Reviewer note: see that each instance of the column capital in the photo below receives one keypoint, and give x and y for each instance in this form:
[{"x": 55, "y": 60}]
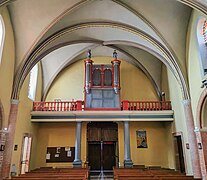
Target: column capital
[
  {"x": 15, "y": 101},
  {"x": 186, "y": 101},
  {"x": 3, "y": 131},
  {"x": 200, "y": 130}
]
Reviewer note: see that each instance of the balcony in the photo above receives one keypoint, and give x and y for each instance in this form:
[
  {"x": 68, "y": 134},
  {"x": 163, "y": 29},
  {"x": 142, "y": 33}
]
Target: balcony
[
  {"x": 64, "y": 106},
  {"x": 71, "y": 111}
]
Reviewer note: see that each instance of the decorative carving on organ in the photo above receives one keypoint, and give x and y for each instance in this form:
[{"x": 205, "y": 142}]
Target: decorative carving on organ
[
  {"x": 88, "y": 72},
  {"x": 116, "y": 75}
]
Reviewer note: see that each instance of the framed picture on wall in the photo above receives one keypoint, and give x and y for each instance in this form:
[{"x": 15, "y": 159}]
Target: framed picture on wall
[{"x": 141, "y": 139}]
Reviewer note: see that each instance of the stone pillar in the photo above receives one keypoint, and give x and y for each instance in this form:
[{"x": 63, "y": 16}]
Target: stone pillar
[
  {"x": 77, "y": 162},
  {"x": 2, "y": 147},
  {"x": 127, "y": 154},
  {"x": 7, "y": 157},
  {"x": 192, "y": 139}
]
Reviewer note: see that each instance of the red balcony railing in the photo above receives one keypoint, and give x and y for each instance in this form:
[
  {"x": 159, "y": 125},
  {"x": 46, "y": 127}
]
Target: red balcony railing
[
  {"x": 125, "y": 105},
  {"x": 146, "y": 105},
  {"x": 58, "y": 106}
]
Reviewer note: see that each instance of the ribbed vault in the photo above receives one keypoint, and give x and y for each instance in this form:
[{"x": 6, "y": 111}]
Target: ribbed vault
[{"x": 72, "y": 26}]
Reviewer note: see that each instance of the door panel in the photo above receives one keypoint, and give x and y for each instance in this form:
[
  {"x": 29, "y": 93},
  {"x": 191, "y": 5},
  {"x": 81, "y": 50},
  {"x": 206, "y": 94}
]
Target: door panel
[
  {"x": 179, "y": 158},
  {"x": 108, "y": 156},
  {"x": 94, "y": 156},
  {"x": 102, "y": 145}
]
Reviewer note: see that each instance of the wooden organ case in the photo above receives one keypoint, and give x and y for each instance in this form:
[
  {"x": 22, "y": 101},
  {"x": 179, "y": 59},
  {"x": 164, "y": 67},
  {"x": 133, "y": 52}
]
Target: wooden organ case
[{"x": 102, "y": 85}]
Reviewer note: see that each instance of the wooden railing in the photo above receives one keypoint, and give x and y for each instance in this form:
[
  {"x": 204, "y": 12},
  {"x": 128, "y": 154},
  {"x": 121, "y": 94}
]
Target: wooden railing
[
  {"x": 58, "y": 106},
  {"x": 146, "y": 105},
  {"x": 125, "y": 105}
]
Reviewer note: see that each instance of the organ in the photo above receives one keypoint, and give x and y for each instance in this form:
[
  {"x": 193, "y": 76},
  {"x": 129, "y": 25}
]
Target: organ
[{"x": 102, "y": 84}]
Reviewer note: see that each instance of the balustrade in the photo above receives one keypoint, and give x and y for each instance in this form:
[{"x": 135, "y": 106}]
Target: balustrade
[{"x": 126, "y": 105}]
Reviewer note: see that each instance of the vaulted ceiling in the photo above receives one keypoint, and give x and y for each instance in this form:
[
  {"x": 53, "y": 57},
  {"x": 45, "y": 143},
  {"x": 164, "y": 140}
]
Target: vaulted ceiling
[{"x": 146, "y": 33}]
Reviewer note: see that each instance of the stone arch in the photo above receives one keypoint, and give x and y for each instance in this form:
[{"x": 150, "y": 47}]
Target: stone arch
[
  {"x": 169, "y": 58},
  {"x": 202, "y": 106},
  {"x": 1, "y": 115},
  {"x": 202, "y": 44}
]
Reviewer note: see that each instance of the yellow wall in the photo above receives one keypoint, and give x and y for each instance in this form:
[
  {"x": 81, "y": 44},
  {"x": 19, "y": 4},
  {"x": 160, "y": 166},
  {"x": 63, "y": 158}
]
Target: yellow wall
[
  {"x": 157, "y": 152},
  {"x": 63, "y": 134},
  {"x": 7, "y": 66},
  {"x": 179, "y": 116},
  {"x": 135, "y": 85},
  {"x": 69, "y": 84},
  {"x": 23, "y": 124},
  {"x": 58, "y": 135},
  {"x": 164, "y": 82},
  {"x": 194, "y": 71}
]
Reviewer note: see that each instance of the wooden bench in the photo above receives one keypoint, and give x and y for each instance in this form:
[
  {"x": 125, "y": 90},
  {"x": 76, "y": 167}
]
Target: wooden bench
[
  {"x": 55, "y": 173},
  {"x": 151, "y": 173}
]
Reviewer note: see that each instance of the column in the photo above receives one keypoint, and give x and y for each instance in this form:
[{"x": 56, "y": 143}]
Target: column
[
  {"x": 201, "y": 137},
  {"x": 10, "y": 139},
  {"x": 3, "y": 133},
  {"x": 77, "y": 162},
  {"x": 127, "y": 154},
  {"x": 192, "y": 139}
]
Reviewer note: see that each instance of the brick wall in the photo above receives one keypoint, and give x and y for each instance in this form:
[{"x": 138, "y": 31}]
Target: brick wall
[{"x": 2, "y": 143}]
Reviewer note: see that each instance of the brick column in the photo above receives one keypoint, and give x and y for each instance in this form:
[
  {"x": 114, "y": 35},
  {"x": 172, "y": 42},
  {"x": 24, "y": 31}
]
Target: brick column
[
  {"x": 2, "y": 143},
  {"x": 202, "y": 139},
  {"x": 10, "y": 139},
  {"x": 192, "y": 139}
]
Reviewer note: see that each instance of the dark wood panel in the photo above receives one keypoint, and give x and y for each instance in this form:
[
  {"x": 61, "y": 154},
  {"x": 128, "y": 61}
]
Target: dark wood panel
[
  {"x": 60, "y": 154},
  {"x": 94, "y": 134},
  {"x": 179, "y": 158},
  {"x": 109, "y": 156},
  {"x": 94, "y": 157},
  {"x": 109, "y": 134}
]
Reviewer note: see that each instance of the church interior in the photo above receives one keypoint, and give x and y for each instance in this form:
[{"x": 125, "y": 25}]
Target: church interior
[{"x": 103, "y": 86}]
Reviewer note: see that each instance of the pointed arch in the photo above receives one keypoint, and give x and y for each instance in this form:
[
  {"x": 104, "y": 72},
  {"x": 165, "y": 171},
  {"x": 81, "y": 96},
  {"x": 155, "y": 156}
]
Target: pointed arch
[
  {"x": 202, "y": 44},
  {"x": 2, "y": 36},
  {"x": 1, "y": 115}
]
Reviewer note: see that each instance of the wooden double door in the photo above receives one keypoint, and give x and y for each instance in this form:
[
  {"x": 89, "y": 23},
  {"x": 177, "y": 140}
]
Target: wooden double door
[
  {"x": 102, "y": 146},
  {"x": 102, "y": 155}
]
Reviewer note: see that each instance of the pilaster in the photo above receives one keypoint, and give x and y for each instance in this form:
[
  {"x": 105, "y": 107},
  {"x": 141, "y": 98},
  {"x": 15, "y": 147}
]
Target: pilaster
[
  {"x": 7, "y": 156},
  {"x": 192, "y": 139}
]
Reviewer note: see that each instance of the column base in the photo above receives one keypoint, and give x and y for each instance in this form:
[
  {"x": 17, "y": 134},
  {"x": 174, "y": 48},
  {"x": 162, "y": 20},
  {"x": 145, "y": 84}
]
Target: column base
[
  {"x": 128, "y": 163},
  {"x": 77, "y": 163}
]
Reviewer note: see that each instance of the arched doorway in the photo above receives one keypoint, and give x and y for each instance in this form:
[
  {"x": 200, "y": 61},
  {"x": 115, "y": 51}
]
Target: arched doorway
[
  {"x": 102, "y": 139},
  {"x": 201, "y": 131}
]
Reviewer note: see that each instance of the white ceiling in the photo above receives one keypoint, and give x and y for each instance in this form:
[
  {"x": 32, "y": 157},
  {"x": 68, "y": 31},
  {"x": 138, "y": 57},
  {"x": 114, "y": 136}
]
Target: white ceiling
[{"x": 65, "y": 29}]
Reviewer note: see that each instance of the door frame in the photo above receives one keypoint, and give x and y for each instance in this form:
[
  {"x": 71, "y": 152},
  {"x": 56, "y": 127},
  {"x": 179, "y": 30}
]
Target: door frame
[
  {"x": 28, "y": 153},
  {"x": 183, "y": 147},
  {"x": 116, "y": 143}
]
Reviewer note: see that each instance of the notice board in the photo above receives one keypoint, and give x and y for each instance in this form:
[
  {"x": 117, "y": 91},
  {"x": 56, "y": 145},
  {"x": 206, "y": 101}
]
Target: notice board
[{"x": 60, "y": 154}]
